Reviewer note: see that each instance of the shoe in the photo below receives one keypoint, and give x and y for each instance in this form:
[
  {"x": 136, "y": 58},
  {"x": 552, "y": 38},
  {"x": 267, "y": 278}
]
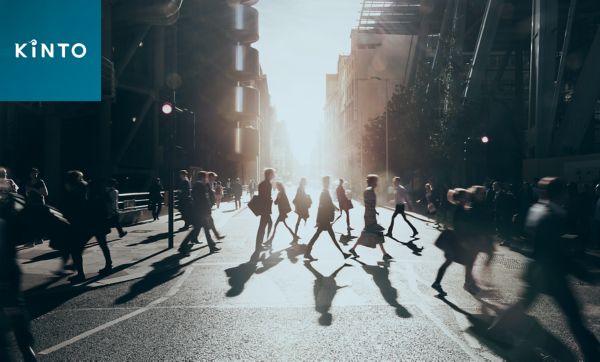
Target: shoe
[
  {"x": 353, "y": 252},
  {"x": 214, "y": 249},
  {"x": 438, "y": 288},
  {"x": 220, "y": 237},
  {"x": 471, "y": 288},
  {"x": 350, "y": 228},
  {"x": 107, "y": 269},
  {"x": 122, "y": 234},
  {"x": 79, "y": 278},
  {"x": 389, "y": 234},
  {"x": 198, "y": 242},
  {"x": 308, "y": 256},
  {"x": 387, "y": 257},
  {"x": 346, "y": 255}
]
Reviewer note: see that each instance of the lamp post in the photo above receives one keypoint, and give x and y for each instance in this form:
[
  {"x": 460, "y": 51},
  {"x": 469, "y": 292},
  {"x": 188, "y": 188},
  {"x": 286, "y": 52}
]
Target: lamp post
[{"x": 167, "y": 109}]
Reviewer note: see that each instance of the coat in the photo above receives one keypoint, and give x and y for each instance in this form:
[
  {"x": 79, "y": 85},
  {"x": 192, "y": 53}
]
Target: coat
[{"x": 326, "y": 212}]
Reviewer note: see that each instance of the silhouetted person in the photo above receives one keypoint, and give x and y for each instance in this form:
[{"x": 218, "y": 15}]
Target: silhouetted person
[
  {"x": 212, "y": 184},
  {"x": 284, "y": 207},
  {"x": 302, "y": 203},
  {"x": 325, "y": 216},
  {"x": 218, "y": 194},
  {"x": 547, "y": 272},
  {"x": 100, "y": 221},
  {"x": 113, "y": 207},
  {"x": 185, "y": 199},
  {"x": 7, "y": 184},
  {"x": 236, "y": 191},
  {"x": 459, "y": 245},
  {"x": 345, "y": 204},
  {"x": 324, "y": 290},
  {"x": 372, "y": 234},
  {"x": 36, "y": 193},
  {"x": 155, "y": 198},
  {"x": 251, "y": 188},
  {"x": 13, "y": 314},
  {"x": 264, "y": 205},
  {"x": 401, "y": 200},
  {"x": 201, "y": 206}
]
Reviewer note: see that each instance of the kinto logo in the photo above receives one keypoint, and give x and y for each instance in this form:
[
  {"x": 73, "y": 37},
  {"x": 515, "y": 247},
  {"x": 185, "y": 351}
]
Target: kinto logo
[{"x": 49, "y": 50}]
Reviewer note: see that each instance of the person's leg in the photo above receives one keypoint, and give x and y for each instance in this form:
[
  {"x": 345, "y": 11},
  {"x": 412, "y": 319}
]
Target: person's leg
[
  {"x": 21, "y": 326},
  {"x": 260, "y": 233},
  {"x": 211, "y": 225},
  {"x": 391, "y": 227},
  {"x": 441, "y": 272},
  {"x": 403, "y": 213},
  {"x": 385, "y": 254},
  {"x": 118, "y": 226},
  {"x": 348, "y": 219},
  {"x": 211, "y": 243},
  {"x": 585, "y": 338},
  {"x": 297, "y": 225},
  {"x": 192, "y": 235},
  {"x": 270, "y": 238},
  {"x": 269, "y": 224},
  {"x": 101, "y": 238},
  {"x": 289, "y": 229},
  {"x": 312, "y": 241},
  {"x": 337, "y": 245}
]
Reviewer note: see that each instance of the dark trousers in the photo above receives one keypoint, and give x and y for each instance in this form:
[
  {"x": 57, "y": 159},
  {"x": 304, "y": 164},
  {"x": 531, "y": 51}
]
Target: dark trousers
[
  {"x": 79, "y": 246},
  {"x": 193, "y": 235},
  {"x": 265, "y": 221},
  {"x": 238, "y": 201},
  {"x": 400, "y": 211},
  {"x": 155, "y": 207},
  {"x": 114, "y": 222},
  {"x": 320, "y": 229}
]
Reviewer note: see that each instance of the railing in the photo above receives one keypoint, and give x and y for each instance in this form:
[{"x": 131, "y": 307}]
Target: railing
[{"x": 136, "y": 201}]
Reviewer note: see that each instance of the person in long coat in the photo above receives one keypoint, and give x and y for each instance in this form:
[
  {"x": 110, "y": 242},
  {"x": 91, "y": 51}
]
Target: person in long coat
[
  {"x": 284, "y": 207},
  {"x": 372, "y": 234},
  {"x": 325, "y": 216},
  {"x": 265, "y": 205},
  {"x": 302, "y": 203},
  {"x": 345, "y": 204}
]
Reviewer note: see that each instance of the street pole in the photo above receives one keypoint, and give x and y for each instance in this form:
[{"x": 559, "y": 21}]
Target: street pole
[
  {"x": 387, "y": 144},
  {"x": 172, "y": 171}
]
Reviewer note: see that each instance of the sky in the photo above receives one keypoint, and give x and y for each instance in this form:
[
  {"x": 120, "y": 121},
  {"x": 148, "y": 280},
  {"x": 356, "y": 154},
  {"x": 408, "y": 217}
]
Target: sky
[{"x": 300, "y": 41}]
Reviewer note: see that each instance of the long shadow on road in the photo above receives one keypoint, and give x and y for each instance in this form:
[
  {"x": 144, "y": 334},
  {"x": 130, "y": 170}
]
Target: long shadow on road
[{"x": 324, "y": 290}]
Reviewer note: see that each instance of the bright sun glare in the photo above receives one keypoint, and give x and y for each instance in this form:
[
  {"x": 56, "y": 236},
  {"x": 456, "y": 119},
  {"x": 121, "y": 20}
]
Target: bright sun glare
[{"x": 299, "y": 43}]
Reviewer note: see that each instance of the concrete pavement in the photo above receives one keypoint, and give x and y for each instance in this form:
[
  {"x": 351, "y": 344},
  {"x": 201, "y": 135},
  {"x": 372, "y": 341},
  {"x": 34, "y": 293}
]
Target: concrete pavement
[{"x": 274, "y": 306}]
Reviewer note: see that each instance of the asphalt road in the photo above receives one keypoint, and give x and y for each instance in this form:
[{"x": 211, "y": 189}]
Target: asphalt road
[{"x": 230, "y": 306}]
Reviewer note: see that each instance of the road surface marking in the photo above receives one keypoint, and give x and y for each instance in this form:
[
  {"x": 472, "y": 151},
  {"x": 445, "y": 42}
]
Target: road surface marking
[{"x": 172, "y": 291}]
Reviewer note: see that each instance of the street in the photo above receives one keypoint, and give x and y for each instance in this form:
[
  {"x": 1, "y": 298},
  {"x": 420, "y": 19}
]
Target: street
[{"x": 229, "y": 306}]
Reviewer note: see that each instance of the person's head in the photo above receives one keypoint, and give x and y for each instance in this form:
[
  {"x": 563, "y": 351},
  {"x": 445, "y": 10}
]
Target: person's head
[
  {"x": 112, "y": 183},
  {"x": 496, "y": 186},
  {"x": 341, "y": 182},
  {"x": 279, "y": 186},
  {"x": 303, "y": 182},
  {"x": 183, "y": 174},
  {"x": 238, "y": 181},
  {"x": 326, "y": 182},
  {"x": 212, "y": 176},
  {"x": 3, "y": 172},
  {"x": 269, "y": 174},
  {"x": 552, "y": 189},
  {"x": 73, "y": 178},
  {"x": 428, "y": 187},
  {"x": 34, "y": 173},
  {"x": 372, "y": 180},
  {"x": 396, "y": 181},
  {"x": 157, "y": 181},
  {"x": 202, "y": 176}
]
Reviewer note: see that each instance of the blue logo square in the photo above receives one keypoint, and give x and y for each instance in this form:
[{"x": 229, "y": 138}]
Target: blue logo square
[{"x": 50, "y": 50}]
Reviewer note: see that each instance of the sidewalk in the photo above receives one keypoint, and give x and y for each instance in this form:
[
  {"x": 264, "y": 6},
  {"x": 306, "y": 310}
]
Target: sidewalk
[{"x": 143, "y": 250}]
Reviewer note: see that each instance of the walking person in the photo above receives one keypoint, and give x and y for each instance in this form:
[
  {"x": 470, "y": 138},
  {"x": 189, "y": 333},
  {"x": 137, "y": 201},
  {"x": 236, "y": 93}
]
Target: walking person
[
  {"x": 155, "y": 198},
  {"x": 461, "y": 245},
  {"x": 7, "y": 184},
  {"x": 264, "y": 206},
  {"x": 251, "y": 188},
  {"x": 113, "y": 207},
  {"x": 325, "y": 216},
  {"x": 212, "y": 184},
  {"x": 36, "y": 193},
  {"x": 402, "y": 200},
  {"x": 218, "y": 193},
  {"x": 302, "y": 203},
  {"x": 237, "y": 190},
  {"x": 344, "y": 203},
  {"x": 284, "y": 207},
  {"x": 200, "y": 215},
  {"x": 548, "y": 272},
  {"x": 372, "y": 234},
  {"x": 185, "y": 199}
]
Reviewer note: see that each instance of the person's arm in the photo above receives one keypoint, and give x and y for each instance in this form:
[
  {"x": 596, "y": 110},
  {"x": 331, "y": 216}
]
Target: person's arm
[{"x": 44, "y": 189}]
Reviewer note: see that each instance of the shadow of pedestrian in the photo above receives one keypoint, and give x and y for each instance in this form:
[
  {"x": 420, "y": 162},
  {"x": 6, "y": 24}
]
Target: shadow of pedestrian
[
  {"x": 239, "y": 275},
  {"x": 152, "y": 239},
  {"x": 381, "y": 277},
  {"x": 411, "y": 245},
  {"x": 324, "y": 291},
  {"x": 293, "y": 252},
  {"x": 527, "y": 340},
  {"x": 346, "y": 238}
]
